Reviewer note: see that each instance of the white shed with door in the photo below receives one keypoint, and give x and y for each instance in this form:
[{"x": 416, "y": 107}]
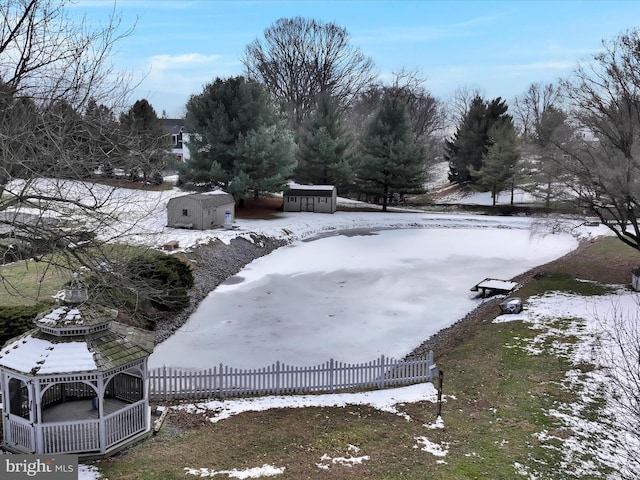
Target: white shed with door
[
  {"x": 310, "y": 198},
  {"x": 201, "y": 211}
]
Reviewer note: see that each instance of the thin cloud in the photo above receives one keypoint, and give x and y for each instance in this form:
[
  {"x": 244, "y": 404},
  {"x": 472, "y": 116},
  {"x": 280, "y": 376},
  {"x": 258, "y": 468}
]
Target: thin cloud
[{"x": 178, "y": 62}]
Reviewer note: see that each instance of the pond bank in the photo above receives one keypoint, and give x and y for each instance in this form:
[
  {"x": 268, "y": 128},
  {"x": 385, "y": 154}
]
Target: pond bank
[{"x": 212, "y": 264}]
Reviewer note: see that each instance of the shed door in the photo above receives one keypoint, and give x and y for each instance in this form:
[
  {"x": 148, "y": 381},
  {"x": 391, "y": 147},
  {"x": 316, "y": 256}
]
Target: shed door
[{"x": 307, "y": 204}]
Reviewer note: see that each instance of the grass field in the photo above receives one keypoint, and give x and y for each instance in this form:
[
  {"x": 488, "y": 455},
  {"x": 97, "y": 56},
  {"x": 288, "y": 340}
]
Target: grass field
[{"x": 496, "y": 397}]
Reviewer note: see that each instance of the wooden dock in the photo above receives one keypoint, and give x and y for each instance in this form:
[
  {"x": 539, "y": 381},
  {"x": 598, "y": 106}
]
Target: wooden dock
[{"x": 494, "y": 286}]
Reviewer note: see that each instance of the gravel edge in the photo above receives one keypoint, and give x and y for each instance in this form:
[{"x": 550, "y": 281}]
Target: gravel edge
[{"x": 213, "y": 263}]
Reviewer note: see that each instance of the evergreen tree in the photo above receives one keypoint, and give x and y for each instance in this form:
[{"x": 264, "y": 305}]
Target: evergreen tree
[
  {"x": 217, "y": 118},
  {"x": 393, "y": 161},
  {"x": 265, "y": 161},
  {"x": 471, "y": 141},
  {"x": 550, "y": 131},
  {"x": 499, "y": 162},
  {"x": 102, "y": 135},
  {"x": 326, "y": 154},
  {"x": 147, "y": 156}
]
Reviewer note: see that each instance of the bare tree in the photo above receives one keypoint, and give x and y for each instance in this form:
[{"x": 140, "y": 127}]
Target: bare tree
[
  {"x": 539, "y": 115},
  {"x": 427, "y": 114},
  {"x": 529, "y": 107},
  {"x": 459, "y": 104},
  {"x": 53, "y": 72},
  {"x": 46, "y": 56},
  {"x": 619, "y": 356},
  {"x": 604, "y": 159},
  {"x": 300, "y": 58}
]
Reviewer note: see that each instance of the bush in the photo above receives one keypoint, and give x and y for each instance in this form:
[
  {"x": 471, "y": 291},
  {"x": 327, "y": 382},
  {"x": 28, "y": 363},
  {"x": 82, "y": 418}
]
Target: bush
[
  {"x": 15, "y": 321},
  {"x": 144, "y": 287},
  {"x": 169, "y": 278}
]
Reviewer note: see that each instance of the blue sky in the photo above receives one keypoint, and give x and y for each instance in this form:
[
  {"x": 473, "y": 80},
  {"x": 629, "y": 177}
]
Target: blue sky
[{"x": 498, "y": 47}]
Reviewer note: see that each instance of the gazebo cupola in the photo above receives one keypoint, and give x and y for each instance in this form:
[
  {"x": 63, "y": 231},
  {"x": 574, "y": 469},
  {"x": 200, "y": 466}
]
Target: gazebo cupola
[{"x": 77, "y": 383}]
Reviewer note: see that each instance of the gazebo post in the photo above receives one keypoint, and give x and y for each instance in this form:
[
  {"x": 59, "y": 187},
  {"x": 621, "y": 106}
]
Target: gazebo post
[
  {"x": 37, "y": 422},
  {"x": 101, "y": 425}
]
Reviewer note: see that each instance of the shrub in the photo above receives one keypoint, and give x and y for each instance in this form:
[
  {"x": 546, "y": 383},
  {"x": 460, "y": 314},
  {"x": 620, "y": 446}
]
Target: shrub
[{"x": 15, "y": 321}]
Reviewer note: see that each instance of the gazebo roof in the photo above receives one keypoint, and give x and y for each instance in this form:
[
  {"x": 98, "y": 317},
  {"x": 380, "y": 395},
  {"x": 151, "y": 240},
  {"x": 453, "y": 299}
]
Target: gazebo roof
[
  {"x": 40, "y": 353},
  {"x": 76, "y": 338},
  {"x": 71, "y": 317}
]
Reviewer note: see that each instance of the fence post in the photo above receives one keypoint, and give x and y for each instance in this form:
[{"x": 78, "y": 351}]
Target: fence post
[
  {"x": 220, "y": 382},
  {"x": 164, "y": 382},
  {"x": 431, "y": 366},
  {"x": 381, "y": 381},
  {"x": 332, "y": 387}
]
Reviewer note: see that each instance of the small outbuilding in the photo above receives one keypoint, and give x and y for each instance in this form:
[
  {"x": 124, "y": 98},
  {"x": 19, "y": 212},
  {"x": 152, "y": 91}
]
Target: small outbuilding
[
  {"x": 77, "y": 383},
  {"x": 310, "y": 198},
  {"x": 201, "y": 211}
]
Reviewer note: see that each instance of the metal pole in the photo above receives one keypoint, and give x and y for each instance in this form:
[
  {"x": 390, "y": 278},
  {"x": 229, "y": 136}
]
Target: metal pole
[{"x": 440, "y": 382}]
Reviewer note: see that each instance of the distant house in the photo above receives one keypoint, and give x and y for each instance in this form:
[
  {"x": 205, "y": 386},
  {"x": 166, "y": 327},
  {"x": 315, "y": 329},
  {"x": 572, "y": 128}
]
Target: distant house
[
  {"x": 310, "y": 198},
  {"x": 201, "y": 211},
  {"x": 175, "y": 128}
]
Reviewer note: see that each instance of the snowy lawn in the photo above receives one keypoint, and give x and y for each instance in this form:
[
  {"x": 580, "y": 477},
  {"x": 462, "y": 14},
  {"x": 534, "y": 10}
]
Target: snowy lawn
[{"x": 598, "y": 337}]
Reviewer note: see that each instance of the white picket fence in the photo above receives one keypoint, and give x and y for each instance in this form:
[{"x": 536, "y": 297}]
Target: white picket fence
[{"x": 226, "y": 382}]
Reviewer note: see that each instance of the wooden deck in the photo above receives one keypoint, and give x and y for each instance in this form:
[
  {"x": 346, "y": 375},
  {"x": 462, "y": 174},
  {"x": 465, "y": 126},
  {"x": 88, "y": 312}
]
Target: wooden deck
[
  {"x": 492, "y": 286},
  {"x": 79, "y": 410}
]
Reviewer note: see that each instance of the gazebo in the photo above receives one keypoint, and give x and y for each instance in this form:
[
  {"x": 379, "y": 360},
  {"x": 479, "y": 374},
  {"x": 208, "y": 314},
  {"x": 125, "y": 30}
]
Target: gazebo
[{"x": 77, "y": 383}]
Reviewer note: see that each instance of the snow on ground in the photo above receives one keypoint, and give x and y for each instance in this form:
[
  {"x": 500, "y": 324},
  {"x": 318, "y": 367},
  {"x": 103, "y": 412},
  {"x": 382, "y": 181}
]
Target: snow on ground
[
  {"x": 385, "y": 400},
  {"x": 520, "y": 197},
  {"x": 587, "y": 331}
]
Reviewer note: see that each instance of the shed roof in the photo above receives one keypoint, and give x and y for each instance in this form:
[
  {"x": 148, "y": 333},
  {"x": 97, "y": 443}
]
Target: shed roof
[
  {"x": 215, "y": 198},
  {"x": 310, "y": 190}
]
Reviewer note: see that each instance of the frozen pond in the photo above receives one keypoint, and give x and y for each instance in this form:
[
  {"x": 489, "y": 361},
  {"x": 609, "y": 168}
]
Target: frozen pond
[{"x": 351, "y": 297}]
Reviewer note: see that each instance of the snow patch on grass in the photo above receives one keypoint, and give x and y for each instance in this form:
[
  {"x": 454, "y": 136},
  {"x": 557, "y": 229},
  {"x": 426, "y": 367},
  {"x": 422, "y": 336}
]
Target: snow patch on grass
[{"x": 256, "y": 472}]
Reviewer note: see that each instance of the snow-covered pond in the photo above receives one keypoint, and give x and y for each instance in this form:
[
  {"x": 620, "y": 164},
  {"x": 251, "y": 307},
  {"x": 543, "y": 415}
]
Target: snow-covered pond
[{"x": 351, "y": 297}]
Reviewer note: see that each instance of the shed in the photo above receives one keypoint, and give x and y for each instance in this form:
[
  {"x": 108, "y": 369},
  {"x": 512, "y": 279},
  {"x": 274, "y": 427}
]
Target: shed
[
  {"x": 201, "y": 211},
  {"x": 77, "y": 383},
  {"x": 310, "y": 198}
]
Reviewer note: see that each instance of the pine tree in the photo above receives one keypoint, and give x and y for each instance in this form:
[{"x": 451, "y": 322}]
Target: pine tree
[
  {"x": 471, "y": 141},
  {"x": 265, "y": 160},
  {"x": 148, "y": 154},
  {"x": 392, "y": 162},
  {"x": 326, "y": 153},
  {"x": 217, "y": 118},
  {"x": 499, "y": 162}
]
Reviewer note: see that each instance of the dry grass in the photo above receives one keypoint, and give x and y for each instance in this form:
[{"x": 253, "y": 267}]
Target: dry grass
[{"x": 28, "y": 282}]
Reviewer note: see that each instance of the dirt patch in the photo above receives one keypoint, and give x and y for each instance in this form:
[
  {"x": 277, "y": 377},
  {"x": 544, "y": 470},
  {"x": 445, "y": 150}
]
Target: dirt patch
[{"x": 259, "y": 208}]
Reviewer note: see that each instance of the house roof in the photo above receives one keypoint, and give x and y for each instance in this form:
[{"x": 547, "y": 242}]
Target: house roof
[
  {"x": 173, "y": 125},
  {"x": 310, "y": 190},
  {"x": 208, "y": 199},
  {"x": 38, "y": 352}
]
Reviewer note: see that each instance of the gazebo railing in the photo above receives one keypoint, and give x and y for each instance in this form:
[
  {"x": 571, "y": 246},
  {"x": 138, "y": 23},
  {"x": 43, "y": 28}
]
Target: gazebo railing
[
  {"x": 80, "y": 435},
  {"x": 20, "y": 434},
  {"x": 125, "y": 423},
  {"x": 70, "y": 437}
]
